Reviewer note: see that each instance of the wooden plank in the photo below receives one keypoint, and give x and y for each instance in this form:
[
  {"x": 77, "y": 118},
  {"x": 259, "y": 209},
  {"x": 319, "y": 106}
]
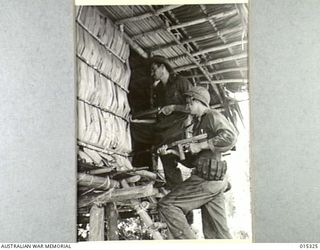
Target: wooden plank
[
  {"x": 113, "y": 195},
  {"x": 112, "y": 221},
  {"x": 96, "y": 223}
]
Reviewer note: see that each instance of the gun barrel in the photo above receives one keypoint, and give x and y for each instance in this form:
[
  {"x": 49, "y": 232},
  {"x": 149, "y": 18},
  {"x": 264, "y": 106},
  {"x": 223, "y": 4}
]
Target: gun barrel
[{"x": 188, "y": 140}]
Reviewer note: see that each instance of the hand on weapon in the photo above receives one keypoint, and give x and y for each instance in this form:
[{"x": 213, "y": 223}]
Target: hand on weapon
[
  {"x": 194, "y": 148},
  {"x": 167, "y": 110},
  {"x": 163, "y": 150},
  {"x": 183, "y": 146}
]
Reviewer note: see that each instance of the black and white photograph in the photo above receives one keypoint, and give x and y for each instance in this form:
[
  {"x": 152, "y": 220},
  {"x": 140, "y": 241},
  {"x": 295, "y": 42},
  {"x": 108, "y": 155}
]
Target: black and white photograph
[{"x": 163, "y": 122}]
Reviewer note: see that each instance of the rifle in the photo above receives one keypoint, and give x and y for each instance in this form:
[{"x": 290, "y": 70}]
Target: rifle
[
  {"x": 183, "y": 144},
  {"x": 151, "y": 113}
]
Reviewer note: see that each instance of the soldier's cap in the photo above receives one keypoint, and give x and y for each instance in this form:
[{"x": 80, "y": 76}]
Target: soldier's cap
[
  {"x": 161, "y": 60},
  {"x": 199, "y": 93}
]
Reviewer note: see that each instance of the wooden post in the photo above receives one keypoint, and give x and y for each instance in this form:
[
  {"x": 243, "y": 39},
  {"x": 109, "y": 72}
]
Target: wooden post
[
  {"x": 112, "y": 221},
  {"x": 96, "y": 223},
  {"x": 143, "y": 215}
]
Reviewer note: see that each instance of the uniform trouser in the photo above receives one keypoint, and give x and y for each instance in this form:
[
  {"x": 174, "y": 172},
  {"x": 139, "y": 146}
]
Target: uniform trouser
[
  {"x": 172, "y": 172},
  {"x": 195, "y": 193}
]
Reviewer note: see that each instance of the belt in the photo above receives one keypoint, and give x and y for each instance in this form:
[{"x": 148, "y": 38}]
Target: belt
[{"x": 211, "y": 169}]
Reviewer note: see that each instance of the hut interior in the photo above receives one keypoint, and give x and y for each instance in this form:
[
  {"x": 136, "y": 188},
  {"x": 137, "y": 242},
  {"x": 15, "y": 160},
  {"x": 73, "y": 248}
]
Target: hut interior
[{"x": 205, "y": 43}]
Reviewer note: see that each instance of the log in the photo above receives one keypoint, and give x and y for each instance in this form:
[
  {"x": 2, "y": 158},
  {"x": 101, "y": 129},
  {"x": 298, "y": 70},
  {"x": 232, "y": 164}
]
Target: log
[
  {"x": 96, "y": 223},
  {"x": 114, "y": 195},
  {"x": 143, "y": 215},
  {"x": 112, "y": 221},
  {"x": 147, "y": 174},
  {"x": 103, "y": 183}
]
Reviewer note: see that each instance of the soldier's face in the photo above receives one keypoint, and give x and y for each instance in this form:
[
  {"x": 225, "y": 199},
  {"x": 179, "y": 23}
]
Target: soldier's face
[
  {"x": 156, "y": 71},
  {"x": 192, "y": 105}
]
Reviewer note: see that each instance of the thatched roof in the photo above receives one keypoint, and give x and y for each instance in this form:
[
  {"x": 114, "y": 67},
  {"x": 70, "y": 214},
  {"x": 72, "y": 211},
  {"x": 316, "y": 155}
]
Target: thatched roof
[{"x": 206, "y": 43}]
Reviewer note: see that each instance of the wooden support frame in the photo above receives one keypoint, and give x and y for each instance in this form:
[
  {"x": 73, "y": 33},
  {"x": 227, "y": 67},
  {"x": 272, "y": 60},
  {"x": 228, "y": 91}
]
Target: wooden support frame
[
  {"x": 221, "y": 47},
  {"x": 215, "y": 61},
  {"x": 143, "y": 215},
  {"x": 112, "y": 215},
  {"x": 113, "y": 195},
  {"x": 220, "y": 72},
  {"x": 96, "y": 223},
  {"x": 226, "y": 81},
  {"x": 205, "y": 19},
  {"x": 183, "y": 25},
  {"x": 147, "y": 15},
  {"x": 97, "y": 182},
  {"x": 196, "y": 39}
]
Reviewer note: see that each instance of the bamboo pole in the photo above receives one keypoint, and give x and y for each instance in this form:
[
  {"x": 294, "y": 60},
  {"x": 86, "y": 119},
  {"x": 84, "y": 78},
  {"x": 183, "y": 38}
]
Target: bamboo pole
[
  {"x": 205, "y": 19},
  {"x": 225, "y": 81},
  {"x": 113, "y": 195},
  {"x": 103, "y": 109},
  {"x": 147, "y": 15},
  {"x": 97, "y": 182},
  {"x": 96, "y": 147},
  {"x": 216, "y": 61},
  {"x": 217, "y": 48},
  {"x": 101, "y": 170},
  {"x": 177, "y": 26},
  {"x": 135, "y": 46},
  {"x": 99, "y": 41},
  {"x": 219, "y": 72},
  {"x": 101, "y": 73},
  {"x": 96, "y": 223},
  {"x": 148, "y": 33},
  {"x": 196, "y": 39},
  {"x": 112, "y": 215},
  {"x": 143, "y": 215},
  {"x": 146, "y": 174},
  {"x": 226, "y": 59}
]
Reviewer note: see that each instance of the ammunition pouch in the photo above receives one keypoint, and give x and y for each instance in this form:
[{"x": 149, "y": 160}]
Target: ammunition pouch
[{"x": 211, "y": 169}]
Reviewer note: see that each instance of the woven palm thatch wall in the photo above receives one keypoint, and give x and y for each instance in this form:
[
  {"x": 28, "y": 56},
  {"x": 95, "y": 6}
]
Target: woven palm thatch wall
[{"x": 103, "y": 74}]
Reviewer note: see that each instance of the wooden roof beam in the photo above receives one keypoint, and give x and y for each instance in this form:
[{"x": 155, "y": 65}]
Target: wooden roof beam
[
  {"x": 221, "y": 47},
  {"x": 220, "y": 72},
  {"x": 196, "y": 39},
  {"x": 226, "y": 81},
  {"x": 215, "y": 61},
  {"x": 182, "y": 25},
  {"x": 213, "y": 49},
  {"x": 203, "y": 20},
  {"x": 147, "y": 15}
]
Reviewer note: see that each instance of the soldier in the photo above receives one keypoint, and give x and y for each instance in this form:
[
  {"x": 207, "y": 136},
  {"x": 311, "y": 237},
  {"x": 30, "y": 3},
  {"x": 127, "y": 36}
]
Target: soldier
[
  {"x": 168, "y": 94},
  {"x": 205, "y": 188}
]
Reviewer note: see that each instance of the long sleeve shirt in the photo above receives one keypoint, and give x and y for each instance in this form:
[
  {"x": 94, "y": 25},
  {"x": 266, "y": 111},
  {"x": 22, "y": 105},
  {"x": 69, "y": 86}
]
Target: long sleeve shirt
[{"x": 221, "y": 136}]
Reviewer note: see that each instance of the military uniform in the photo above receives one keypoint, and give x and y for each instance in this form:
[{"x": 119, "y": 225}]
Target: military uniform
[{"x": 205, "y": 188}]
